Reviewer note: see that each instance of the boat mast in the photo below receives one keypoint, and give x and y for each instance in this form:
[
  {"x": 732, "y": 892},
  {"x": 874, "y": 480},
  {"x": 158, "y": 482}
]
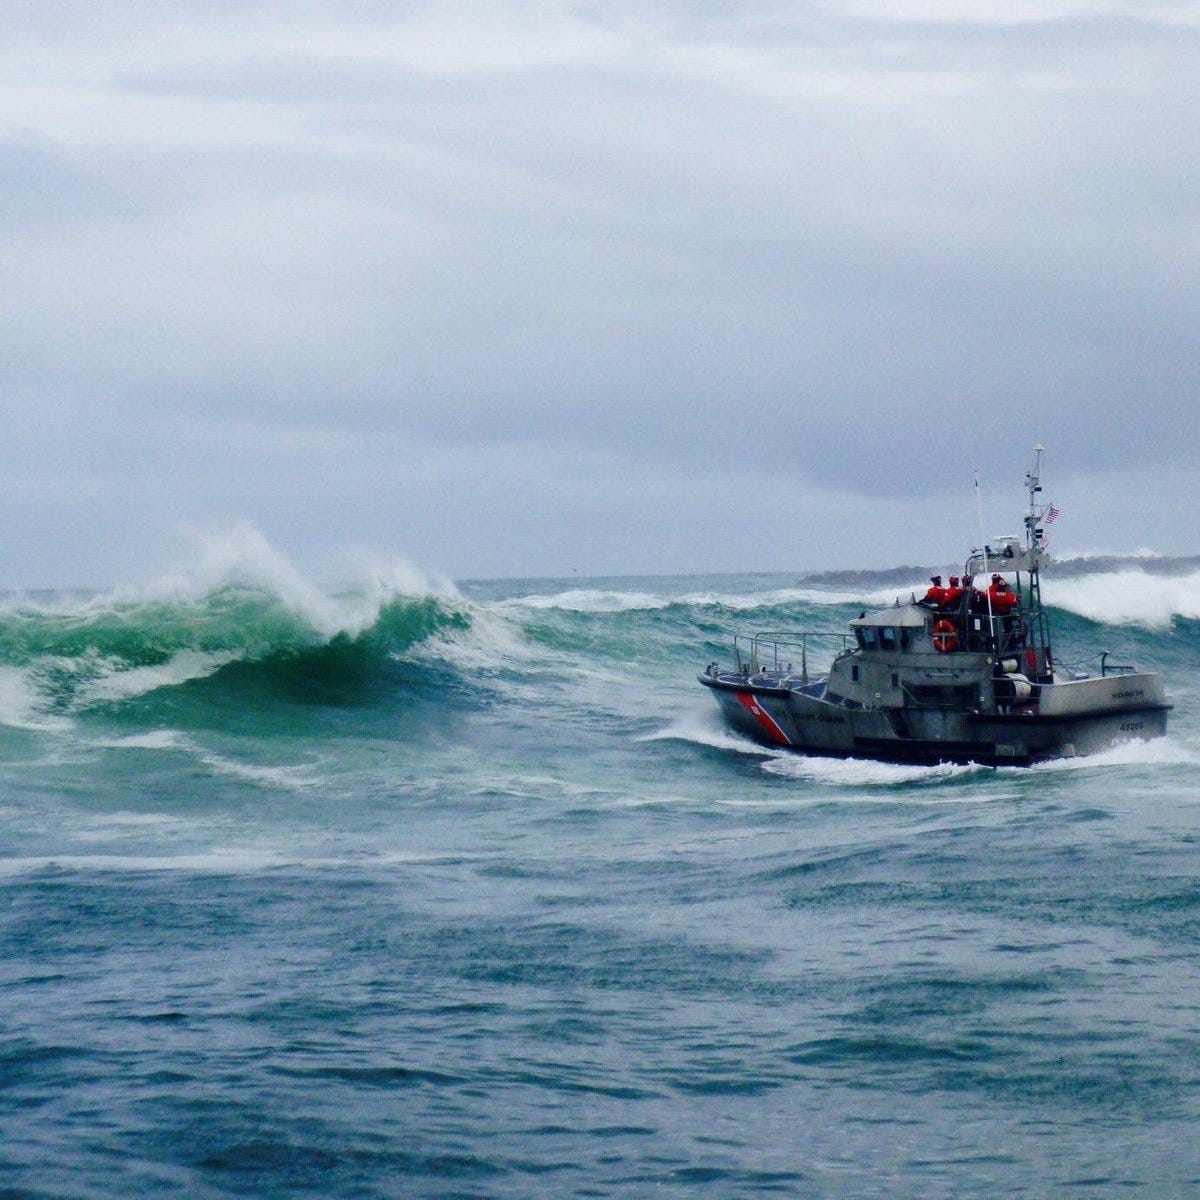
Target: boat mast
[
  {"x": 1034, "y": 534},
  {"x": 984, "y": 552}
]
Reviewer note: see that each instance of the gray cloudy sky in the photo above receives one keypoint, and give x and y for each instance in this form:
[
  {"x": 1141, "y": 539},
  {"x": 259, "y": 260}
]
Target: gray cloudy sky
[{"x": 519, "y": 288}]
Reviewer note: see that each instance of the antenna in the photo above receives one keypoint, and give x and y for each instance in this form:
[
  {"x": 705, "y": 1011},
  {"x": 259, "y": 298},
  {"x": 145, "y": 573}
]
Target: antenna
[
  {"x": 1033, "y": 482},
  {"x": 983, "y": 543}
]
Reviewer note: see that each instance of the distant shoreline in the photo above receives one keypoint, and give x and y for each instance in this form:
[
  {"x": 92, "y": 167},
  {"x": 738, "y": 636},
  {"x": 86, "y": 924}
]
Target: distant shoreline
[{"x": 1102, "y": 564}]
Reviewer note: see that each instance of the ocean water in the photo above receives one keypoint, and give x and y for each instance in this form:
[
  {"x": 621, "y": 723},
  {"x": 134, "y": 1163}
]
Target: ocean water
[{"x": 413, "y": 889}]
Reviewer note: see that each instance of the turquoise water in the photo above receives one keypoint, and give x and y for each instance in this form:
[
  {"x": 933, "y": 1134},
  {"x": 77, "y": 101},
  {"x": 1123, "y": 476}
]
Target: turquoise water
[{"x": 432, "y": 891}]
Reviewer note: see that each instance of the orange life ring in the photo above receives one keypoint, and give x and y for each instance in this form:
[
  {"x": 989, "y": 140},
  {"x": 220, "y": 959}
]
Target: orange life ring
[{"x": 945, "y": 636}]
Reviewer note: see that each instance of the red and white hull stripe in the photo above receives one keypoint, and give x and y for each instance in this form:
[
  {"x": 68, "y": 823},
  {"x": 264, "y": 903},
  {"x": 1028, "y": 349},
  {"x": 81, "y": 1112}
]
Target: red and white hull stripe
[{"x": 769, "y": 725}]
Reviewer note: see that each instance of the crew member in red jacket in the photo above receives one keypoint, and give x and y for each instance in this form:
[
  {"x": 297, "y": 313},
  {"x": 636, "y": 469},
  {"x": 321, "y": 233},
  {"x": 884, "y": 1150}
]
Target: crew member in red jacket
[
  {"x": 953, "y": 594},
  {"x": 1003, "y": 599},
  {"x": 936, "y": 593}
]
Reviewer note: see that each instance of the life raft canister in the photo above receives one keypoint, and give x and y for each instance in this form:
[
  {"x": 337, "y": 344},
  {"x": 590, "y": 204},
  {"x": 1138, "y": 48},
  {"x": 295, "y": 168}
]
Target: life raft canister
[{"x": 945, "y": 636}]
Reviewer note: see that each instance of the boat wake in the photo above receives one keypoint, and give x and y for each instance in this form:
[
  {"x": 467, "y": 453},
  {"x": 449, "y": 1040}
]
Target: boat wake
[
  {"x": 1160, "y": 752},
  {"x": 865, "y": 773}
]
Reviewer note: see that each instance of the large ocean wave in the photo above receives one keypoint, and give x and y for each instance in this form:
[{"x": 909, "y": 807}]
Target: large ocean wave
[
  {"x": 240, "y": 605},
  {"x": 1127, "y": 597}
]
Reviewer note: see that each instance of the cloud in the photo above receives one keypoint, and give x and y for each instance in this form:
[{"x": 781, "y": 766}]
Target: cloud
[{"x": 863, "y": 247}]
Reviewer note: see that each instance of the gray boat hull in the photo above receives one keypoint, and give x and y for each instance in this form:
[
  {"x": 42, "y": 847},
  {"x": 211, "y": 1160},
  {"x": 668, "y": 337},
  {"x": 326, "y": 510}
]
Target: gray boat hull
[{"x": 1072, "y": 718}]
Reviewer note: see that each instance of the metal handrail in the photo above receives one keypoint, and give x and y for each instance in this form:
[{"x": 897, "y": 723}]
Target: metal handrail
[{"x": 770, "y": 644}]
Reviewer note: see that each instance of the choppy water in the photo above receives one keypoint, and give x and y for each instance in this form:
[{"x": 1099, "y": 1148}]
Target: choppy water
[{"x": 427, "y": 891}]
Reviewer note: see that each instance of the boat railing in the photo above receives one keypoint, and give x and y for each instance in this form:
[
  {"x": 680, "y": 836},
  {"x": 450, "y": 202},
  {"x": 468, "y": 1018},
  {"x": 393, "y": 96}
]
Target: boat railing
[
  {"x": 980, "y": 630},
  {"x": 784, "y": 652}
]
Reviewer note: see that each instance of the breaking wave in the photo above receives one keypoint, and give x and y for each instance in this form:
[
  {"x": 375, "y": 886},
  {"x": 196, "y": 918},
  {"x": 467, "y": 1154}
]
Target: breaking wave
[
  {"x": 241, "y": 604},
  {"x": 1127, "y": 597},
  {"x": 1124, "y": 597}
]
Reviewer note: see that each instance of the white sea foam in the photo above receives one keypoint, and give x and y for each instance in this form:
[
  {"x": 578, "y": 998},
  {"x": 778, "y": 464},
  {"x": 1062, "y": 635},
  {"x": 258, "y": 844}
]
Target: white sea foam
[
  {"x": 1065, "y": 553},
  {"x": 22, "y": 706},
  {"x": 122, "y": 820},
  {"x": 874, "y": 596},
  {"x": 491, "y": 642},
  {"x": 1126, "y": 597},
  {"x": 860, "y": 773},
  {"x": 243, "y": 557},
  {"x": 217, "y": 861},
  {"x": 155, "y": 739},
  {"x": 116, "y": 683},
  {"x": 705, "y": 728},
  {"x": 119, "y": 827},
  {"x": 589, "y": 600},
  {"x": 297, "y": 777},
  {"x": 1159, "y": 752},
  {"x": 230, "y": 860},
  {"x": 594, "y": 601}
]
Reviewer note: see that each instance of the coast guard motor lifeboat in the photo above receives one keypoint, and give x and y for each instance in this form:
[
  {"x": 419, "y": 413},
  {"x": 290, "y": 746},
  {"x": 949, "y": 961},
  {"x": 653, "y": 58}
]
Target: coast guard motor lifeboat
[{"x": 967, "y": 678}]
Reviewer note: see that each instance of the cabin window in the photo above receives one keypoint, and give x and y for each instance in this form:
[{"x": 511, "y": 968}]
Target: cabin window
[
  {"x": 867, "y": 639},
  {"x": 908, "y": 639},
  {"x": 888, "y": 639},
  {"x": 895, "y": 680},
  {"x": 854, "y": 672}
]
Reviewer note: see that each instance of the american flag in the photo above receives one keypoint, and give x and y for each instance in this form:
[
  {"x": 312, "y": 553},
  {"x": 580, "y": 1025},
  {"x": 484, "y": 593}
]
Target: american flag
[{"x": 1052, "y": 514}]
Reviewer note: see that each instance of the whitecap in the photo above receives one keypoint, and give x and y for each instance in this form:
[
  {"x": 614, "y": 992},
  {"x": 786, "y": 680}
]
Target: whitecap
[
  {"x": 491, "y": 642},
  {"x": 1130, "y": 597},
  {"x": 778, "y": 597},
  {"x": 600, "y": 601},
  {"x": 242, "y": 557},
  {"x": 588, "y": 601}
]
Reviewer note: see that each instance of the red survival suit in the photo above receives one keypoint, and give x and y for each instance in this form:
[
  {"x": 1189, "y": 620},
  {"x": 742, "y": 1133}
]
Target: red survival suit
[
  {"x": 1002, "y": 599},
  {"x": 953, "y": 594}
]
